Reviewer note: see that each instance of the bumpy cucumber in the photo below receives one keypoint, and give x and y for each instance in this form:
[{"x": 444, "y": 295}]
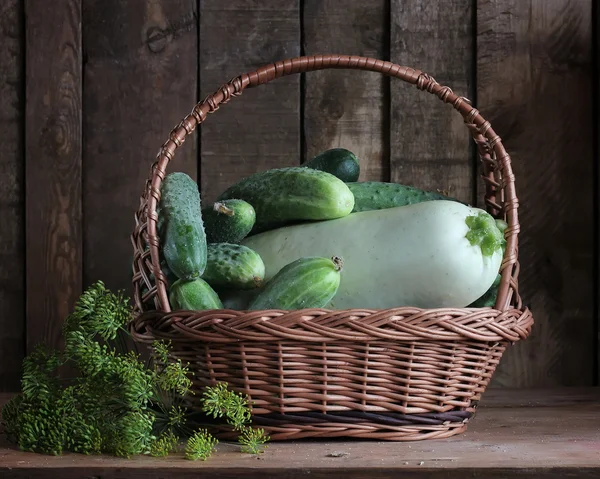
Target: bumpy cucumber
[
  {"x": 228, "y": 221},
  {"x": 194, "y": 295},
  {"x": 378, "y": 195},
  {"x": 286, "y": 195},
  {"x": 339, "y": 162},
  {"x": 181, "y": 229},
  {"x": 308, "y": 282},
  {"x": 233, "y": 266}
]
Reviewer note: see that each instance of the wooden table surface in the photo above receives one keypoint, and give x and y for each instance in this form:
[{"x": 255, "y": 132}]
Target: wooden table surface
[{"x": 520, "y": 433}]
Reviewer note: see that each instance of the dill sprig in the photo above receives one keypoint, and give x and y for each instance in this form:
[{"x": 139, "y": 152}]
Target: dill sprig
[
  {"x": 200, "y": 445},
  {"x": 116, "y": 404},
  {"x": 218, "y": 401},
  {"x": 253, "y": 440}
]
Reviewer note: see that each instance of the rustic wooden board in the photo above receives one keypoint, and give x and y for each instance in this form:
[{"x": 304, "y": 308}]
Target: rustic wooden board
[
  {"x": 348, "y": 109},
  {"x": 140, "y": 81},
  {"x": 53, "y": 165},
  {"x": 541, "y": 440},
  {"x": 430, "y": 146},
  {"x": 260, "y": 129},
  {"x": 12, "y": 194},
  {"x": 534, "y": 73}
]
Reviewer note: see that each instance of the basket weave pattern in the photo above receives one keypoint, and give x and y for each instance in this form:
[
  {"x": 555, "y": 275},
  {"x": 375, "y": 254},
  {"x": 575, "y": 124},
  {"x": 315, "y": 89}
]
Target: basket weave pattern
[{"x": 397, "y": 374}]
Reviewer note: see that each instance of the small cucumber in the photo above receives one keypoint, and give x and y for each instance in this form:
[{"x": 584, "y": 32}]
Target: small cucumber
[
  {"x": 378, "y": 195},
  {"x": 308, "y": 282},
  {"x": 286, "y": 195},
  {"x": 339, "y": 162},
  {"x": 228, "y": 221},
  {"x": 193, "y": 295},
  {"x": 233, "y": 266},
  {"x": 181, "y": 229}
]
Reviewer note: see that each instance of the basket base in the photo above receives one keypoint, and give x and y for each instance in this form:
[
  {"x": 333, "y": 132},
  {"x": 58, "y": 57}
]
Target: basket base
[{"x": 358, "y": 424}]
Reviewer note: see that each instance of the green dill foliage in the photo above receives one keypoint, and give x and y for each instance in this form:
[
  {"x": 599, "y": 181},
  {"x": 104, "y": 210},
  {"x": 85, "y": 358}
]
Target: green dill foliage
[
  {"x": 218, "y": 401},
  {"x": 109, "y": 407},
  {"x": 200, "y": 445},
  {"x": 252, "y": 440},
  {"x": 116, "y": 404},
  {"x": 164, "y": 445}
]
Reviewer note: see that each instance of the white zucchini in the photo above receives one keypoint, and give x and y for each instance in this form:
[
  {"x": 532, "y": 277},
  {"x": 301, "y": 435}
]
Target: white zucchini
[{"x": 431, "y": 254}]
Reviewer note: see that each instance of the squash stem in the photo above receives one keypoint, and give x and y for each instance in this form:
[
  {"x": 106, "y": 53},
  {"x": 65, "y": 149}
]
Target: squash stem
[
  {"x": 338, "y": 263},
  {"x": 485, "y": 232}
]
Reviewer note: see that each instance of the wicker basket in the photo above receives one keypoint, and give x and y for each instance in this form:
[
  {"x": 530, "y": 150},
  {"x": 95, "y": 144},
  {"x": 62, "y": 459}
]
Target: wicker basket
[{"x": 396, "y": 374}]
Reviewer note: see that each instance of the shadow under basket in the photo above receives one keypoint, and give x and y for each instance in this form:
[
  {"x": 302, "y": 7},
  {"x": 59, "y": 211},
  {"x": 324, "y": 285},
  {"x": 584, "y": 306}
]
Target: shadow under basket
[{"x": 394, "y": 374}]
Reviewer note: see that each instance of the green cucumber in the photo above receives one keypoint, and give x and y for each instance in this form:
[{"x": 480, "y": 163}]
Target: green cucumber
[
  {"x": 238, "y": 299},
  {"x": 193, "y": 295},
  {"x": 228, "y": 221},
  {"x": 233, "y": 266},
  {"x": 339, "y": 162},
  {"x": 181, "y": 229},
  {"x": 308, "y": 282},
  {"x": 286, "y": 195},
  {"x": 379, "y": 195}
]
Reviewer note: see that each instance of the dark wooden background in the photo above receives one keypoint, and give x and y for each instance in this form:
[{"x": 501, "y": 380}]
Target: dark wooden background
[{"x": 89, "y": 90}]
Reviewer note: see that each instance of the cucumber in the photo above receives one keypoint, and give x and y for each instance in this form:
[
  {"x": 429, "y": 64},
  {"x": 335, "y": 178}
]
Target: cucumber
[
  {"x": 228, "y": 221},
  {"x": 193, "y": 295},
  {"x": 181, "y": 229},
  {"x": 378, "y": 195},
  {"x": 428, "y": 255},
  {"x": 286, "y": 195},
  {"x": 233, "y": 266},
  {"x": 238, "y": 299},
  {"x": 308, "y": 282},
  {"x": 339, "y": 162}
]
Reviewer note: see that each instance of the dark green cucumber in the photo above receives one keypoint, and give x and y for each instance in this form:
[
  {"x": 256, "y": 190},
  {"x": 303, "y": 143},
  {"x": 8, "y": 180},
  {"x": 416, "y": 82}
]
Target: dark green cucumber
[
  {"x": 339, "y": 162},
  {"x": 233, "y": 266},
  {"x": 285, "y": 195},
  {"x": 378, "y": 195},
  {"x": 181, "y": 229},
  {"x": 308, "y": 282},
  {"x": 194, "y": 295},
  {"x": 238, "y": 299},
  {"x": 228, "y": 221}
]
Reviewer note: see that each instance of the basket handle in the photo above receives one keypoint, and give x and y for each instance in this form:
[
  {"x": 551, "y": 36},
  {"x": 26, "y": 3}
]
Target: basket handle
[{"x": 497, "y": 171}]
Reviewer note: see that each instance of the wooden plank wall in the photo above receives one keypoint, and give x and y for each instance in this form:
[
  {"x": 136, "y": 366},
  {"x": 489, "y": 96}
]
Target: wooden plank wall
[{"x": 89, "y": 89}]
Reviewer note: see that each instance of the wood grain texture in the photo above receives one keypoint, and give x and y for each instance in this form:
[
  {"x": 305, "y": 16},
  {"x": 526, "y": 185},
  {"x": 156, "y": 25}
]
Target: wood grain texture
[
  {"x": 534, "y": 71},
  {"x": 348, "y": 109},
  {"x": 538, "y": 440},
  {"x": 53, "y": 166},
  {"x": 140, "y": 81},
  {"x": 12, "y": 194},
  {"x": 430, "y": 145},
  {"x": 260, "y": 129}
]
